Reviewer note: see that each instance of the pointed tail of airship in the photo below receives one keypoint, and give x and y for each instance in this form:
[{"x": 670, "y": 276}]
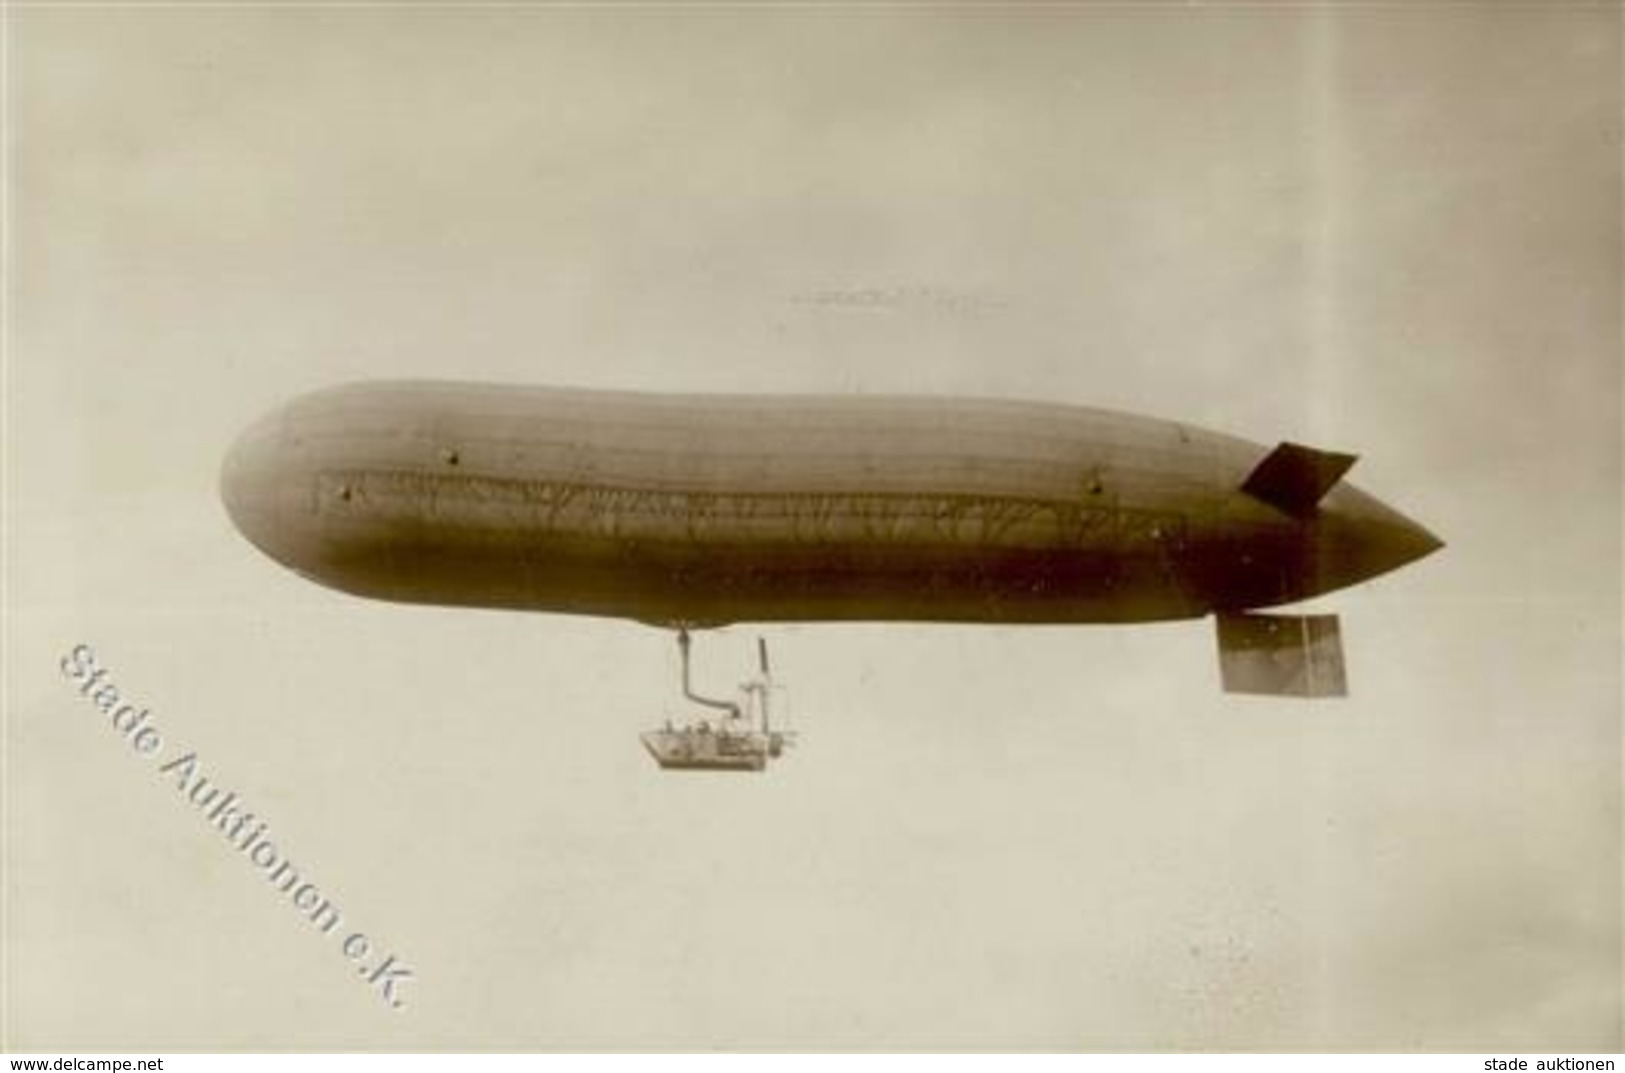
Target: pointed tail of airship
[{"x": 1302, "y": 654}]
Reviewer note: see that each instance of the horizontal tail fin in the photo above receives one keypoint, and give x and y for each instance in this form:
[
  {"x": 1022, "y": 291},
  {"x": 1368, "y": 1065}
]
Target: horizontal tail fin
[
  {"x": 1295, "y": 478},
  {"x": 1282, "y": 655}
]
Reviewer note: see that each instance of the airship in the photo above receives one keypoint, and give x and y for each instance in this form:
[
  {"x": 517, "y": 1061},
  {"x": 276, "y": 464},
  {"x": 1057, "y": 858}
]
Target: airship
[{"x": 691, "y": 511}]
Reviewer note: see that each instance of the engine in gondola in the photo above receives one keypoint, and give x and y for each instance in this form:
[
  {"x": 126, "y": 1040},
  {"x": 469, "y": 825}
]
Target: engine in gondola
[{"x": 742, "y": 738}]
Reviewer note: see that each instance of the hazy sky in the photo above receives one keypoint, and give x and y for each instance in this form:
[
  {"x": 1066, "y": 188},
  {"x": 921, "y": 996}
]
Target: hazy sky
[{"x": 1388, "y": 230}]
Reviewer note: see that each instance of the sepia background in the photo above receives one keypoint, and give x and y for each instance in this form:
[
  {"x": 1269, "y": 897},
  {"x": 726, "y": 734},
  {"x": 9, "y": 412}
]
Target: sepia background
[{"x": 1391, "y": 230}]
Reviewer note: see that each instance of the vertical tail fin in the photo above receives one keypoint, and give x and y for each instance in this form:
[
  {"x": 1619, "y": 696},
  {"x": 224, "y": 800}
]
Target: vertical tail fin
[{"x": 1282, "y": 655}]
